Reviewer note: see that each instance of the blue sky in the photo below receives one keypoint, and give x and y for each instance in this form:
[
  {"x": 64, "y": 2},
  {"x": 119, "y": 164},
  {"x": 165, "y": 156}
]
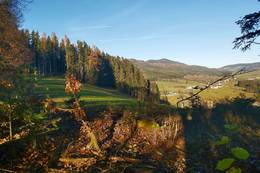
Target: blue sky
[{"x": 191, "y": 31}]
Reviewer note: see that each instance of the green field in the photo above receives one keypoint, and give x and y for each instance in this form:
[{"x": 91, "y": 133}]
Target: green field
[
  {"x": 250, "y": 75},
  {"x": 90, "y": 95},
  {"x": 178, "y": 88}
]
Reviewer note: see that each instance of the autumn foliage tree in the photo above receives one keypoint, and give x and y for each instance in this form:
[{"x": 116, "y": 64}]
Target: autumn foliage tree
[
  {"x": 14, "y": 50},
  {"x": 88, "y": 64}
]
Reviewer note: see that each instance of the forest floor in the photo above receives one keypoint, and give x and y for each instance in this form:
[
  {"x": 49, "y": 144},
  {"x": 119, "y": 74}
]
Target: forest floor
[{"x": 156, "y": 138}]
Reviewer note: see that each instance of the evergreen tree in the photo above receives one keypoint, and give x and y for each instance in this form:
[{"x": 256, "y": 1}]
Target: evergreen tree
[
  {"x": 62, "y": 61},
  {"x": 82, "y": 56},
  {"x": 43, "y": 54},
  {"x": 55, "y": 53},
  {"x": 70, "y": 56},
  {"x": 93, "y": 65},
  {"x": 89, "y": 65},
  {"x": 49, "y": 56},
  {"x": 36, "y": 49}
]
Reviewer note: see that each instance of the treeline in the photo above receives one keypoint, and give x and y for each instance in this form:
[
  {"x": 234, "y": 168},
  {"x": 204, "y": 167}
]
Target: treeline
[
  {"x": 88, "y": 64},
  {"x": 252, "y": 86}
]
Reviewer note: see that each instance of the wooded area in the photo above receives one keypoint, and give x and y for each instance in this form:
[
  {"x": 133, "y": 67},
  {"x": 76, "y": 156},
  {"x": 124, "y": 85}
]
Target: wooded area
[
  {"x": 70, "y": 107},
  {"x": 88, "y": 64}
]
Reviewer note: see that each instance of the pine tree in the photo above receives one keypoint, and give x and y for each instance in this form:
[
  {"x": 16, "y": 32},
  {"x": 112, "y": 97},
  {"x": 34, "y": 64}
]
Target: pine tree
[
  {"x": 55, "y": 53},
  {"x": 82, "y": 56},
  {"x": 93, "y": 65},
  {"x": 43, "y": 52},
  {"x": 49, "y": 56},
  {"x": 89, "y": 65},
  {"x": 71, "y": 57},
  {"x": 62, "y": 61}
]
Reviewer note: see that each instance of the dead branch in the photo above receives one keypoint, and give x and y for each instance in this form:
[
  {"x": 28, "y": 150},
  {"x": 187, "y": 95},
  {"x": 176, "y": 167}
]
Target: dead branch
[
  {"x": 74, "y": 160},
  {"x": 242, "y": 71},
  {"x": 124, "y": 159},
  {"x": 5, "y": 170},
  {"x": 256, "y": 42}
]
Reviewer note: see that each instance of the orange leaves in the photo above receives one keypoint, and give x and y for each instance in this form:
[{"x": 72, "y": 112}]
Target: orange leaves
[
  {"x": 6, "y": 84},
  {"x": 72, "y": 85}
]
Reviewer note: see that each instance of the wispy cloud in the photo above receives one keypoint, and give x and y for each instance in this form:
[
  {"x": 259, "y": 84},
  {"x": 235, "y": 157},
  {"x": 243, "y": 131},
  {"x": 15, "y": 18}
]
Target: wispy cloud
[
  {"x": 93, "y": 27},
  {"x": 139, "y": 38}
]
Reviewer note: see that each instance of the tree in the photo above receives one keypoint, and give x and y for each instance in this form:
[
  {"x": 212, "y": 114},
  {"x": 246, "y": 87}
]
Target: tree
[
  {"x": 70, "y": 54},
  {"x": 87, "y": 64},
  {"x": 82, "y": 56},
  {"x": 14, "y": 50},
  {"x": 15, "y": 55},
  {"x": 62, "y": 61},
  {"x": 55, "y": 53},
  {"x": 49, "y": 56},
  {"x": 106, "y": 77},
  {"x": 93, "y": 65},
  {"x": 250, "y": 30},
  {"x": 36, "y": 49},
  {"x": 43, "y": 48}
]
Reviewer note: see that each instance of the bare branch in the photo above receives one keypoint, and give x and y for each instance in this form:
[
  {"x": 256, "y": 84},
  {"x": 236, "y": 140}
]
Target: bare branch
[{"x": 255, "y": 42}]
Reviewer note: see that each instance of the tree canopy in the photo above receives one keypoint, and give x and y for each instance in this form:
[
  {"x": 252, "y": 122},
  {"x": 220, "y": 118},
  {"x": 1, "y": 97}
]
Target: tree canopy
[
  {"x": 13, "y": 48},
  {"x": 88, "y": 64},
  {"x": 250, "y": 30}
]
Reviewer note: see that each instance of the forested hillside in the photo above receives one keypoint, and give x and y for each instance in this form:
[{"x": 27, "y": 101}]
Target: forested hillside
[
  {"x": 247, "y": 66},
  {"x": 168, "y": 69},
  {"x": 67, "y": 106},
  {"x": 88, "y": 64}
]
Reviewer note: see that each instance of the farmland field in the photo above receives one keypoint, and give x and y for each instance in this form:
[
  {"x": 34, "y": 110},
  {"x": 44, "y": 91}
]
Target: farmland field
[
  {"x": 251, "y": 75},
  {"x": 179, "y": 88}
]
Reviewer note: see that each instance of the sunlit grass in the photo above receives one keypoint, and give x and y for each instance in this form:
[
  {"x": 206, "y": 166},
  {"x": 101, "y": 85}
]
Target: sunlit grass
[
  {"x": 179, "y": 87},
  {"x": 53, "y": 87}
]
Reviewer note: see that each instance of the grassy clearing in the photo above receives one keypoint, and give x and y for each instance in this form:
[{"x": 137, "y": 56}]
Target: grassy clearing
[{"x": 53, "y": 87}]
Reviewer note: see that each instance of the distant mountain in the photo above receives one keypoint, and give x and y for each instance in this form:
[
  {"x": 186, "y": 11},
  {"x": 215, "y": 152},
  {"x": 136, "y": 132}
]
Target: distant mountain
[
  {"x": 168, "y": 69},
  {"x": 236, "y": 67}
]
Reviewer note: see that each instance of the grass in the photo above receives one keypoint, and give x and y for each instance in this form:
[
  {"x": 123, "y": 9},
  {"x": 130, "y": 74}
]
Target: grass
[
  {"x": 53, "y": 87},
  {"x": 246, "y": 76},
  {"x": 179, "y": 87},
  {"x": 228, "y": 91}
]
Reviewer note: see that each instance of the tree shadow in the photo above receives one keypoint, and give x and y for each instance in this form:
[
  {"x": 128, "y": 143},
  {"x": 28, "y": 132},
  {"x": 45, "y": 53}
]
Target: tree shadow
[{"x": 202, "y": 127}]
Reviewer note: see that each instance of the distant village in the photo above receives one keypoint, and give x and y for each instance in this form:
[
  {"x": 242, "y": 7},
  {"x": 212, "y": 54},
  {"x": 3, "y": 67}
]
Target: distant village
[{"x": 218, "y": 85}]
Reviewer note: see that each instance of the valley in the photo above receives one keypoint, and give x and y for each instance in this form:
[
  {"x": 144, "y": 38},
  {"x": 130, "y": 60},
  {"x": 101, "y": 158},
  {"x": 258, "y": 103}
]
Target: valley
[
  {"x": 71, "y": 99},
  {"x": 186, "y": 78}
]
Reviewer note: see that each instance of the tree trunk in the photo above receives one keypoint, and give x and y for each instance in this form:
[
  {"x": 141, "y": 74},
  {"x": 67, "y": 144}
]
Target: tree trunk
[{"x": 10, "y": 127}]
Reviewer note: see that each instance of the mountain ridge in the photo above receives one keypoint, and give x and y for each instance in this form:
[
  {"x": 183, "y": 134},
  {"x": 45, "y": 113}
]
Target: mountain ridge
[
  {"x": 247, "y": 66},
  {"x": 166, "y": 69}
]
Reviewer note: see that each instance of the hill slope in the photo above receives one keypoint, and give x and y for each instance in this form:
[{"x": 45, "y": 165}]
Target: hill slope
[
  {"x": 167, "y": 69},
  {"x": 247, "y": 66},
  {"x": 91, "y": 96}
]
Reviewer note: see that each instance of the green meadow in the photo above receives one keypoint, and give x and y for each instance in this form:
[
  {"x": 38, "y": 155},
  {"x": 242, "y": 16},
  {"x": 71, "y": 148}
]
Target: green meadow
[{"x": 90, "y": 96}]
